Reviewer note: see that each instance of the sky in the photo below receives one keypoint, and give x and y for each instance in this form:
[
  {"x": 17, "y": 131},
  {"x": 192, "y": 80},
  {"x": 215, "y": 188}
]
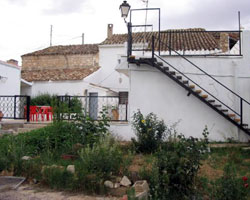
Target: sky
[{"x": 26, "y": 24}]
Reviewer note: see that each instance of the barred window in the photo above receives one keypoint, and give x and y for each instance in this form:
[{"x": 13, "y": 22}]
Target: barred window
[{"x": 123, "y": 97}]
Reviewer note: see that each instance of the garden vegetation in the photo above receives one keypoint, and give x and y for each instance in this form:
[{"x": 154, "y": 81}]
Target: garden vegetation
[{"x": 171, "y": 162}]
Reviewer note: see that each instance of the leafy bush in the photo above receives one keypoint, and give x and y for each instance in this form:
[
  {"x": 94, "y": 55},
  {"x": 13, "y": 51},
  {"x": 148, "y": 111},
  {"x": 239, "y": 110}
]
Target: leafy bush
[
  {"x": 104, "y": 158},
  {"x": 229, "y": 186},
  {"x": 43, "y": 100},
  {"x": 51, "y": 141},
  {"x": 150, "y": 132},
  {"x": 61, "y": 104},
  {"x": 92, "y": 131},
  {"x": 58, "y": 178},
  {"x": 177, "y": 163}
]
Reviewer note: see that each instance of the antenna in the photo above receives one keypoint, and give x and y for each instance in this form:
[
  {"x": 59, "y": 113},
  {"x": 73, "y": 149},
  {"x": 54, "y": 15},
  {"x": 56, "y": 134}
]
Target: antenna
[
  {"x": 145, "y": 28},
  {"x": 51, "y": 30}
]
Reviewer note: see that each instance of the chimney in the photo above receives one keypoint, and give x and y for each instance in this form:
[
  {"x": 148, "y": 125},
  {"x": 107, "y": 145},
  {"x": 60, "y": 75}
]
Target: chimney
[
  {"x": 110, "y": 30},
  {"x": 224, "y": 42},
  {"x": 12, "y": 62}
]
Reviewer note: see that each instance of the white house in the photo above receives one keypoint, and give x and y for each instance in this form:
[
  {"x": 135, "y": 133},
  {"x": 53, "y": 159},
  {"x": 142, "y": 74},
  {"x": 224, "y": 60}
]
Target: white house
[
  {"x": 150, "y": 90},
  {"x": 10, "y": 79}
]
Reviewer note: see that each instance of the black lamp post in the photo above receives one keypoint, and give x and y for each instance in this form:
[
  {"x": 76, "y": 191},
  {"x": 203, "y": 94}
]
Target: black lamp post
[{"x": 125, "y": 8}]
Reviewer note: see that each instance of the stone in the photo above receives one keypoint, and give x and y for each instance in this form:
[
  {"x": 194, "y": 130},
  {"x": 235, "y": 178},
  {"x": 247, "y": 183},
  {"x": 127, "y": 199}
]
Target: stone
[
  {"x": 142, "y": 196},
  {"x": 117, "y": 185},
  {"x": 141, "y": 186},
  {"x": 71, "y": 168},
  {"x": 141, "y": 189},
  {"x": 125, "y": 181},
  {"x": 26, "y": 158},
  {"x": 109, "y": 184},
  {"x": 34, "y": 181}
]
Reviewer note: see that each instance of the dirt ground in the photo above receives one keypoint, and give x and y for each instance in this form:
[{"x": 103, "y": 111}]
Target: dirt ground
[{"x": 29, "y": 192}]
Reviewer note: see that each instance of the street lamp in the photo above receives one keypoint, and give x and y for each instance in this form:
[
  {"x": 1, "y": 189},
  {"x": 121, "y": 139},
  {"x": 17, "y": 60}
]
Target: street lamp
[{"x": 124, "y": 7}]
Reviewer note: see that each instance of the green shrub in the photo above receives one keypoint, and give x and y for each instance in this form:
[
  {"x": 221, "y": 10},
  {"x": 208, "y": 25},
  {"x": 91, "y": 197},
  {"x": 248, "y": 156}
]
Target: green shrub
[
  {"x": 43, "y": 100},
  {"x": 150, "y": 132},
  {"x": 177, "y": 163},
  {"x": 61, "y": 104},
  {"x": 104, "y": 158},
  {"x": 58, "y": 178},
  {"x": 52, "y": 141},
  {"x": 229, "y": 186},
  {"x": 92, "y": 131}
]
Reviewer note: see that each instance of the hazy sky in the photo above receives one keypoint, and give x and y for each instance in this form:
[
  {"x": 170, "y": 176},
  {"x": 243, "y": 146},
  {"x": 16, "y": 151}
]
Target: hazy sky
[{"x": 25, "y": 24}]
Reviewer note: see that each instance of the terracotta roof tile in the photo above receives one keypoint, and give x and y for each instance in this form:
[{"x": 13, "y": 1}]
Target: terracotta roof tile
[
  {"x": 57, "y": 74},
  {"x": 180, "y": 39},
  {"x": 66, "y": 49}
]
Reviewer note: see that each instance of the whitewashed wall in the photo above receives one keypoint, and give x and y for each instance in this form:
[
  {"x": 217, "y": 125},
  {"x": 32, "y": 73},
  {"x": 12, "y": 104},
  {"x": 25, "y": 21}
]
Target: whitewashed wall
[
  {"x": 107, "y": 76},
  {"x": 12, "y": 84},
  {"x": 61, "y": 88},
  {"x": 152, "y": 91}
]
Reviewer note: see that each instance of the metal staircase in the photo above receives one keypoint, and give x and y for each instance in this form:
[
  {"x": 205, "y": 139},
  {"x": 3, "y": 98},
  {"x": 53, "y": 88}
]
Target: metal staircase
[{"x": 196, "y": 89}]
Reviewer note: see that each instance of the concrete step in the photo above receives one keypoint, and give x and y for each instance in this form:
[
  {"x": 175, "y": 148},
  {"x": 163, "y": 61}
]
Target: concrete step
[
  {"x": 30, "y": 127},
  {"x": 24, "y": 130},
  {"x": 11, "y": 125},
  {"x": 34, "y": 125},
  {"x": 7, "y": 132}
]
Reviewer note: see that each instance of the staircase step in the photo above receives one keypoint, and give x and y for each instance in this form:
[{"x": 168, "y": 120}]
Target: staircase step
[
  {"x": 159, "y": 63},
  {"x": 179, "y": 77},
  {"x": 237, "y": 120},
  {"x": 192, "y": 86},
  {"x": 217, "y": 106},
  {"x": 224, "y": 110},
  {"x": 231, "y": 115},
  {"x": 204, "y": 96},
  {"x": 172, "y": 72},
  {"x": 185, "y": 82},
  {"x": 211, "y": 101},
  {"x": 165, "y": 68},
  {"x": 198, "y": 91}
]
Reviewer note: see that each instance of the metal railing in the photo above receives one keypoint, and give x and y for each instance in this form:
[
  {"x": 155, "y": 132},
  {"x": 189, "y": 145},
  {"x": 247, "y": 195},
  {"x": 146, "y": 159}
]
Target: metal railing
[
  {"x": 15, "y": 107},
  {"x": 238, "y": 110},
  {"x": 187, "y": 42},
  {"x": 68, "y": 107},
  {"x": 93, "y": 106}
]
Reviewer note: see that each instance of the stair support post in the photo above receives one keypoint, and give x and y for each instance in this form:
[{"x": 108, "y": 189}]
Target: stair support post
[
  {"x": 129, "y": 47},
  {"x": 153, "y": 48},
  {"x": 241, "y": 111}
]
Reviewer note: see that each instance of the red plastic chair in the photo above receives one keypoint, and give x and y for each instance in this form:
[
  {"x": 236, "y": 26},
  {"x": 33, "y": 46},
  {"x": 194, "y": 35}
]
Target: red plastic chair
[
  {"x": 47, "y": 112},
  {"x": 34, "y": 112}
]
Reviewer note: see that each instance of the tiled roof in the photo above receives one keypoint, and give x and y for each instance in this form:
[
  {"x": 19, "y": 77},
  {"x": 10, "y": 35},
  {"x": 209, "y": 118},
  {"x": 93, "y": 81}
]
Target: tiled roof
[
  {"x": 57, "y": 74},
  {"x": 180, "y": 39},
  {"x": 66, "y": 50}
]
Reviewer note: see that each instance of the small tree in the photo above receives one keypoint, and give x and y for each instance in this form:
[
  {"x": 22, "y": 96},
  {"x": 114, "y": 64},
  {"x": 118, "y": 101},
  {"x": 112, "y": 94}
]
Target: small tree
[{"x": 150, "y": 132}]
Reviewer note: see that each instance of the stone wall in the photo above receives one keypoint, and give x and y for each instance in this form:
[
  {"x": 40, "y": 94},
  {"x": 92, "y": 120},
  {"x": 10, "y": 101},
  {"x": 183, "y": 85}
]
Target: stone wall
[{"x": 59, "y": 61}]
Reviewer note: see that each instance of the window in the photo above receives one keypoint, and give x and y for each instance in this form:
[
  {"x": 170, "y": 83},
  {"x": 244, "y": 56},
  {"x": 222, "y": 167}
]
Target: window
[{"x": 123, "y": 97}]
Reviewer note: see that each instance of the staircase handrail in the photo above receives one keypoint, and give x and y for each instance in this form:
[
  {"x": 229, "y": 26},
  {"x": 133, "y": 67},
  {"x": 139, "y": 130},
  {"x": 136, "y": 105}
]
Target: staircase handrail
[
  {"x": 197, "y": 84},
  {"x": 202, "y": 71}
]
